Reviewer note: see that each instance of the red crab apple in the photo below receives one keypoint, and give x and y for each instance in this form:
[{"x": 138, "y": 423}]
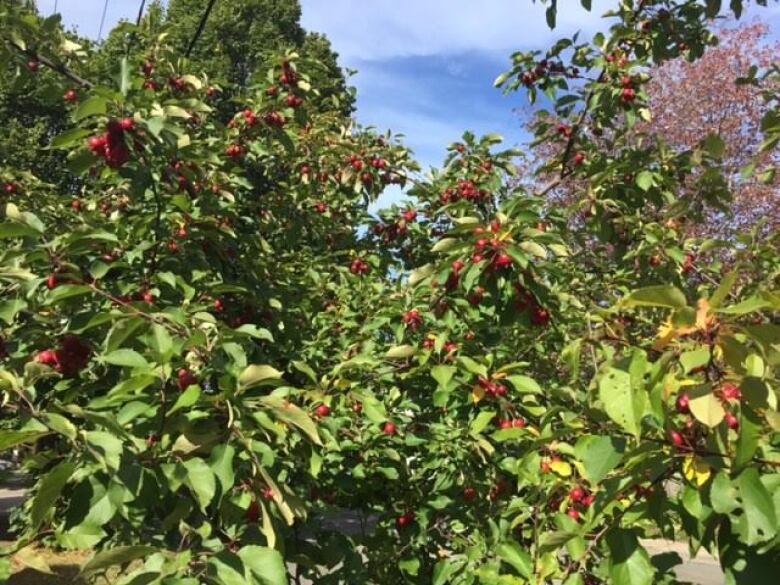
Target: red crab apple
[
  {"x": 405, "y": 520},
  {"x": 469, "y": 493},
  {"x": 51, "y": 282},
  {"x": 323, "y": 410},
  {"x": 683, "y": 404},
  {"x": 677, "y": 439},
  {"x": 731, "y": 392},
  {"x": 573, "y": 514},
  {"x": 9, "y": 188},
  {"x": 70, "y": 96},
  {"x": 389, "y": 428},
  {"x": 253, "y": 511},
  {"x": 185, "y": 379},
  {"x": 732, "y": 421}
]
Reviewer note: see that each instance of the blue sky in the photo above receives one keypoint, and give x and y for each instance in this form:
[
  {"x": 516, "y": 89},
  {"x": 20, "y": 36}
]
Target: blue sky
[{"x": 425, "y": 67}]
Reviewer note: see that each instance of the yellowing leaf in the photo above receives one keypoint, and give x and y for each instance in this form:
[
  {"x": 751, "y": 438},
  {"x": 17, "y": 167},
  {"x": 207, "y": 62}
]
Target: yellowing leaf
[
  {"x": 477, "y": 393},
  {"x": 696, "y": 470},
  {"x": 707, "y": 409},
  {"x": 561, "y": 468},
  {"x": 704, "y": 320}
]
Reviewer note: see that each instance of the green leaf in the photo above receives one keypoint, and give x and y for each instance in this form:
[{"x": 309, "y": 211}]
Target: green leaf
[
  {"x": 92, "y": 106},
  {"x": 629, "y": 563},
  {"x": 67, "y": 291},
  {"x": 524, "y": 384},
  {"x": 265, "y": 564},
  {"x": 49, "y": 490},
  {"x": 599, "y": 455},
  {"x": 127, "y": 358},
  {"x": 161, "y": 343},
  {"x": 622, "y": 403},
  {"x": 10, "y": 439},
  {"x": 221, "y": 463},
  {"x": 124, "y": 76},
  {"x": 645, "y": 180},
  {"x": 70, "y": 137},
  {"x": 115, "y": 556},
  {"x": 750, "y": 305},
  {"x": 13, "y": 229},
  {"x": 226, "y": 568},
  {"x": 186, "y": 399},
  {"x": 655, "y": 296},
  {"x": 60, "y": 424},
  {"x": 707, "y": 409},
  {"x": 759, "y": 522},
  {"x": 515, "y": 555},
  {"x": 720, "y": 295},
  {"x": 534, "y": 249},
  {"x": 482, "y": 421},
  {"x": 256, "y": 375},
  {"x": 9, "y": 310},
  {"x": 401, "y": 352},
  {"x": 290, "y": 413},
  {"x": 443, "y": 374},
  {"x": 723, "y": 495},
  {"x": 445, "y": 569},
  {"x": 200, "y": 480}
]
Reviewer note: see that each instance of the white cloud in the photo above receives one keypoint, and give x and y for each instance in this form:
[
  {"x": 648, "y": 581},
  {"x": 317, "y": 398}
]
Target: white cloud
[{"x": 383, "y": 29}]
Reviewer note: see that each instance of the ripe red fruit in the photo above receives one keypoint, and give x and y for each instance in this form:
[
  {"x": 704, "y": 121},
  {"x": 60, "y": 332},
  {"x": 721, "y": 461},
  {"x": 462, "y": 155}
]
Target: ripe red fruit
[
  {"x": 185, "y": 379},
  {"x": 97, "y": 144},
  {"x": 413, "y": 319},
  {"x": 294, "y": 101},
  {"x": 626, "y": 81},
  {"x": 545, "y": 467},
  {"x": 540, "y": 317},
  {"x": 573, "y": 514},
  {"x": 502, "y": 261},
  {"x": 357, "y": 408},
  {"x": 357, "y": 164},
  {"x": 218, "y": 305},
  {"x": 577, "y": 494},
  {"x": 211, "y": 91},
  {"x": 469, "y": 493},
  {"x": 51, "y": 282},
  {"x": 367, "y": 179},
  {"x": 47, "y": 358},
  {"x": 505, "y": 424},
  {"x": 518, "y": 423},
  {"x": 253, "y": 511},
  {"x": 655, "y": 260},
  {"x": 147, "y": 68},
  {"x": 405, "y": 520},
  {"x": 70, "y": 96},
  {"x": 127, "y": 124},
  {"x": 76, "y": 204},
  {"x": 628, "y": 95},
  {"x": 148, "y": 298},
  {"x": 409, "y": 215},
  {"x": 234, "y": 151},
  {"x": 272, "y": 91},
  {"x": 677, "y": 439},
  {"x": 268, "y": 494},
  {"x": 323, "y": 410},
  {"x": 579, "y": 159},
  {"x": 731, "y": 392},
  {"x": 587, "y": 501},
  {"x": 732, "y": 421},
  {"x": 683, "y": 404},
  {"x": 33, "y": 66},
  {"x": 457, "y": 266},
  {"x": 9, "y": 188},
  {"x": 389, "y": 428}
]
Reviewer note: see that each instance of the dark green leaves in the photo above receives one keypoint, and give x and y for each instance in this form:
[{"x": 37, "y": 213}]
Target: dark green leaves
[{"x": 629, "y": 563}]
